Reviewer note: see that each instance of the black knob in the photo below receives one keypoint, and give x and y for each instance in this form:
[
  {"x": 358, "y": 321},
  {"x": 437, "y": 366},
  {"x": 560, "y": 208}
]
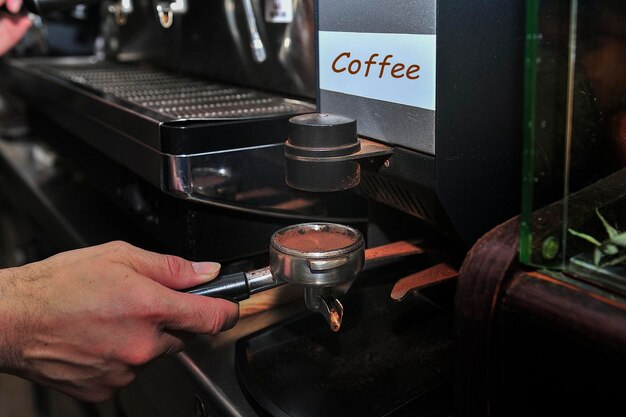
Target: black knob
[
  {"x": 318, "y": 152},
  {"x": 323, "y": 135}
]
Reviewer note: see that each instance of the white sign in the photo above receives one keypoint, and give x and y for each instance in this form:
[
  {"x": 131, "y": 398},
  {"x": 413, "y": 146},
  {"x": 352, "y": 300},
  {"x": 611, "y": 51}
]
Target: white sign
[
  {"x": 279, "y": 11},
  {"x": 393, "y": 67}
]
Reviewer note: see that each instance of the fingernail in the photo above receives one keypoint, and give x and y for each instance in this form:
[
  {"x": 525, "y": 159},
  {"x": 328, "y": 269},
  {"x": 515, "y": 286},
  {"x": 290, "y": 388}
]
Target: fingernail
[
  {"x": 206, "y": 268},
  {"x": 13, "y": 6}
]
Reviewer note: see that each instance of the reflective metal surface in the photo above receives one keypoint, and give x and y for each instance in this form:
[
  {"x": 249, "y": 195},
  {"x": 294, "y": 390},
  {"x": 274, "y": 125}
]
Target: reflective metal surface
[
  {"x": 321, "y": 267},
  {"x": 250, "y": 179},
  {"x": 256, "y": 43},
  {"x": 261, "y": 280},
  {"x": 226, "y": 40},
  {"x": 175, "y": 96}
]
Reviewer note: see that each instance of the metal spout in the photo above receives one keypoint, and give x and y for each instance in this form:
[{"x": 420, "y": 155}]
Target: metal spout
[{"x": 322, "y": 301}]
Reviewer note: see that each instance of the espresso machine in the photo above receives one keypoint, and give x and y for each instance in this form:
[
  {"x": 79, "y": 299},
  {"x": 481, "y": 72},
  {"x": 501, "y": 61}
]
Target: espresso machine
[{"x": 317, "y": 137}]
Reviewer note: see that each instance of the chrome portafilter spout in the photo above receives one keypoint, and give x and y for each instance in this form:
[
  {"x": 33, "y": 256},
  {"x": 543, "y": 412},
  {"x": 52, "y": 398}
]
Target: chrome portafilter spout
[
  {"x": 321, "y": 300},
  {"x": 321, "y": 257}
]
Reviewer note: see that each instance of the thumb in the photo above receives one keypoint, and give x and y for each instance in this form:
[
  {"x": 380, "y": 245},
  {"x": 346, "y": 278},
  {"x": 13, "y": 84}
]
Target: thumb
[
  {"x": 14, "y": 5},
  {"x": 197, "y": 314},
  {"x": 172, "y": 271}
]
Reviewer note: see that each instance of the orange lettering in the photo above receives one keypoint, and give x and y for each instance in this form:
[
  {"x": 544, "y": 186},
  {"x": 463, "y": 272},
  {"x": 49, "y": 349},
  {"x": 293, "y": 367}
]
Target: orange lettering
[
  {"x": 395, "y": 69},
  {"x": 412, "y": 70},
  {"x": 358, "y": 67},
  {"x": 347, "y": 55}
]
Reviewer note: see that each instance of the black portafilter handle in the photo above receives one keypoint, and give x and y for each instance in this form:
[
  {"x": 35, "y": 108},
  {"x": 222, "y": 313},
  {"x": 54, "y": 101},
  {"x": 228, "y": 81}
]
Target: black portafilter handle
[
  {"x": 233, "y": 287},
  {"x": 44, "y": 7},
  {"x": 237, "y": 287}
]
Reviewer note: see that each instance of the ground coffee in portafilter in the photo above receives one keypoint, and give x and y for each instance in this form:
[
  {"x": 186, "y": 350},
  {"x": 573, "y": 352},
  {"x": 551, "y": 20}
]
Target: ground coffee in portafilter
[{"x": 311, "y": 240}]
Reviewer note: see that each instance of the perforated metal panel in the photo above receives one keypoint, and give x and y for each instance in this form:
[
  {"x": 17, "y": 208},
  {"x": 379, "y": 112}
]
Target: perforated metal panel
[
  {"x": 177, "y": 96},
  {"x": 392, "y": 193}
]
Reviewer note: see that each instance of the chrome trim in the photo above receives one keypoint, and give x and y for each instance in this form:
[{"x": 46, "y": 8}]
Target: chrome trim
[{"x": 256, "y": 43}]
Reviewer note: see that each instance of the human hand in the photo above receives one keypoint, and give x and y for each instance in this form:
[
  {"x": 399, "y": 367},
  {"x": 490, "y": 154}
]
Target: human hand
[
  {"x": 12, "y": 27},
  {"x": 84, "y": 322}
]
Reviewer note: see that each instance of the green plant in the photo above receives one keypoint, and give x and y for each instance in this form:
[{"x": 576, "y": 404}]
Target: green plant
[{"x": 611, "y": 251}]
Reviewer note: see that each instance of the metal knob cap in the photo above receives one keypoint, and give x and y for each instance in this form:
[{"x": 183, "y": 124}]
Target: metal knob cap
[
  {"x": 315, "y": 142},
  {"x": 322, "y": 135}
]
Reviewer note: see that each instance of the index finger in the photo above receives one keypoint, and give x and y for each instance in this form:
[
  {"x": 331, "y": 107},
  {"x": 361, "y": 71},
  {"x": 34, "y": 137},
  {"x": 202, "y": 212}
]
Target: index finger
[{"x": 168, "y": 270}]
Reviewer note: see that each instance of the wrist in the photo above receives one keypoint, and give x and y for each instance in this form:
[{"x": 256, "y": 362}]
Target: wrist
[{"x": 11, "y": 324}]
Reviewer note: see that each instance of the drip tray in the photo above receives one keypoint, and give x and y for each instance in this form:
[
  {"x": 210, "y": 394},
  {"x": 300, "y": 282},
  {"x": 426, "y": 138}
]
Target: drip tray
[
  {"x": 169, "y": 112},
  {"x": 193, "y": 138},
  {"x": 388, "y": 359},
  {"x": 172, "y": 96}
]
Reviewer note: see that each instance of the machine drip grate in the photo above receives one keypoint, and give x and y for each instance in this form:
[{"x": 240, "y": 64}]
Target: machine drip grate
[{"x": 176, "y": 96}]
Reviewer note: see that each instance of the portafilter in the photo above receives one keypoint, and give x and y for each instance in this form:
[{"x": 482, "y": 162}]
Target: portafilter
[{"x": 321, "y": 257}]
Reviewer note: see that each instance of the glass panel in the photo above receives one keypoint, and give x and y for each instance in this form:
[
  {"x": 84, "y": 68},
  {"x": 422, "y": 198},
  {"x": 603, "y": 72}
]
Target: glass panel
[{"x": 575, "y": 137}]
